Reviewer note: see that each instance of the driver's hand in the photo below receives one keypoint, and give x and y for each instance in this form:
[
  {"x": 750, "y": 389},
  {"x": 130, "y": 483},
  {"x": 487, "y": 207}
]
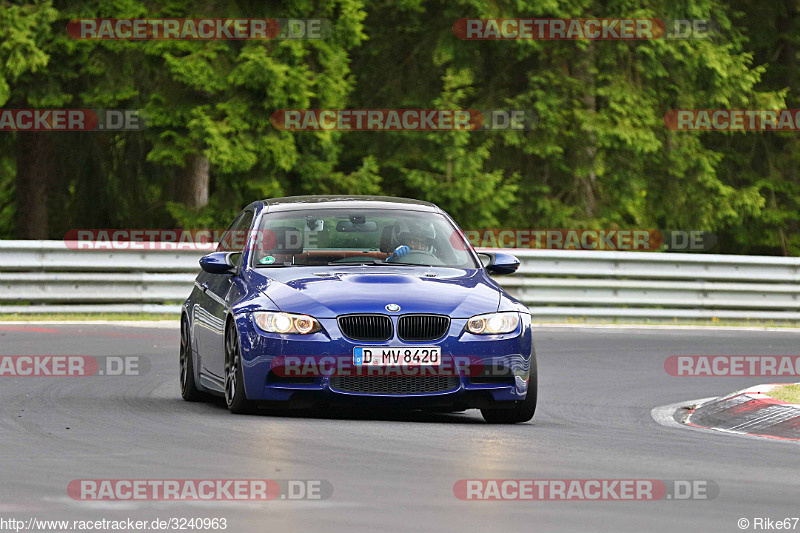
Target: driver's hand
[{"x": 399, "y": 252}]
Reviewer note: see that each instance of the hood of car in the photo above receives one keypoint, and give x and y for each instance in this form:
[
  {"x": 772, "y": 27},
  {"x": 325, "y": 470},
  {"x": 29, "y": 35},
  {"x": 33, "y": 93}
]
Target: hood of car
[{"x": 325, "y": 293}]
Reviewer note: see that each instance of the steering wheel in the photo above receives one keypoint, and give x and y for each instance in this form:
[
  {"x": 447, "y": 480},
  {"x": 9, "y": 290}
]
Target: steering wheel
[{"x": 421, "y": 256}]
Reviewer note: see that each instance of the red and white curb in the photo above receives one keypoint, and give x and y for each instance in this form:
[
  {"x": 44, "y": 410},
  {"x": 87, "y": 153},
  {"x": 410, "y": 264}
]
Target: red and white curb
[{"x": 747, "y": 412}]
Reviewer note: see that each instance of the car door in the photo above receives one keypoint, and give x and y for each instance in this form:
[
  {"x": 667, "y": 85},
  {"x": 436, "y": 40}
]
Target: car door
[
  {"x": 204, "y": 318},
  {"x": 218, "y": 295}
]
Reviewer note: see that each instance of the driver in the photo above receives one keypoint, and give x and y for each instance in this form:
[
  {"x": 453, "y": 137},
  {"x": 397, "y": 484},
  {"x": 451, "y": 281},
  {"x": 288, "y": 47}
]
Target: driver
[{"x": 409, "y": 236}]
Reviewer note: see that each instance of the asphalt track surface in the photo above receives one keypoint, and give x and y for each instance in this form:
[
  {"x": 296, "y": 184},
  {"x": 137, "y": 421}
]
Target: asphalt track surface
[{"x": 395, "y": 472}]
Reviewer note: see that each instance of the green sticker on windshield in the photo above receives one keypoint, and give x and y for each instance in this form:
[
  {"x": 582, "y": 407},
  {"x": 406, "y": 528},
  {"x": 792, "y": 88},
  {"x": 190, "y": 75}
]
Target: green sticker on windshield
[{"x": 268, "y": 260}]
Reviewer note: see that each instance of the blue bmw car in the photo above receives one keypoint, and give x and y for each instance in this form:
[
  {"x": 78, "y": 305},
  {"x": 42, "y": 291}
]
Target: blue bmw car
[{"x": 315, "y": 301}]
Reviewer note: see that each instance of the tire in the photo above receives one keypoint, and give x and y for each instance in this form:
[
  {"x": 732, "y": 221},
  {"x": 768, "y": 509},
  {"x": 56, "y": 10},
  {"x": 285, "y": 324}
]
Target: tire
[
  {"x": 523, "y": 410},
  {"x": 235, "y": 397},
  {"x": 189, "y": 391}
]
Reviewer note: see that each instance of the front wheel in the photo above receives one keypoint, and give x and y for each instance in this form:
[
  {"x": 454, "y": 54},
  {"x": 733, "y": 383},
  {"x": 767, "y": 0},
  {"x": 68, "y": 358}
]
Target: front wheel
[
  {"x": 235, "y": 397},
  {"x": 523, "y": 410}
]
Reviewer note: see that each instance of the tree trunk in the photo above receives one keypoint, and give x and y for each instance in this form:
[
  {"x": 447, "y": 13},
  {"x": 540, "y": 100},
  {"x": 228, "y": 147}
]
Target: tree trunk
[
  {"x": 193, "y": 191},
  {"x": 586, "y": 158},
  {"x": 35, "y": 165}
]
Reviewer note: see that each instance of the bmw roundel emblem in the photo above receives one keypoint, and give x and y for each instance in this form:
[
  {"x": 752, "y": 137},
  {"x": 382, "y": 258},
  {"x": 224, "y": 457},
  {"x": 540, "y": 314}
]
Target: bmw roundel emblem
[{"x": 392, "y": 307}]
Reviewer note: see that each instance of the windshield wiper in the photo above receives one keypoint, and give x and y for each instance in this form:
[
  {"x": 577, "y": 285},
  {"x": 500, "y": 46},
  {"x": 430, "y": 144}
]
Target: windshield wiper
[
  {"x": 408, "y": 264},
  {"x": 374, "y": 262},
  {"x": 357, "y": 263}
]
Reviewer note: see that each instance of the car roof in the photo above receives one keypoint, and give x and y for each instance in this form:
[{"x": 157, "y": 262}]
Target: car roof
[{"x": 290, "y": 203}]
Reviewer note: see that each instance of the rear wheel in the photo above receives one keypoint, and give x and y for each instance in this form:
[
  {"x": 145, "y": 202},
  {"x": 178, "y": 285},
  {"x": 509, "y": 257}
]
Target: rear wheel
[
  {"x": 523, "y": 410},
  {"x": 189, "y": 390},
  {"x": 235, "y": 397}
]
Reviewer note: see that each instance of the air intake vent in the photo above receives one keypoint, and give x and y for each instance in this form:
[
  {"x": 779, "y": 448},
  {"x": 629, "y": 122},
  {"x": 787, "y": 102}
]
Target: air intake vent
[
  {"x": 422, "y": 327},
  {"x": 366, "y": 327},
  {"x": 394, "y": 384}
]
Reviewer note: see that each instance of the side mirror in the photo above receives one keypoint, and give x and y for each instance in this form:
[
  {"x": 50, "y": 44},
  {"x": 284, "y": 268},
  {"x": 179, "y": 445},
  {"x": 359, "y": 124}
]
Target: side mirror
[
  {"x": 218, "y": 263},
  {"x": 500, "y": 263}
]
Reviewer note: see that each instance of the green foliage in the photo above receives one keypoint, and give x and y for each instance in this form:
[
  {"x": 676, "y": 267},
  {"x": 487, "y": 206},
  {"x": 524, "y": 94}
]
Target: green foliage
[
  {"x": 23, "y": 31},
  {"x": 599, "y": 154},
  {"x": 7, "y": 203}
]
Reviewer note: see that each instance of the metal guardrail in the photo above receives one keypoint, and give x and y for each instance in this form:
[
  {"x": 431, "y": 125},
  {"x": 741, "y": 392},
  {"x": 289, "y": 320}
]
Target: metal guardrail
[
  {"x": 657, "y": 286},
  {"x": 47, "y": 276}
]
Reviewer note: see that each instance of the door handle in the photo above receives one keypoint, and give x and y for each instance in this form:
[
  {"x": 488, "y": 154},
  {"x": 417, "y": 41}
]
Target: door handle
[{"x": 204, "y": 287}]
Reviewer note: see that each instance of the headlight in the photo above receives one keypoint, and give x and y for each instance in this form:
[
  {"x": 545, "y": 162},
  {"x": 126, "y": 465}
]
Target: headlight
[
  {"x": 286, "y": 323},
  {"x": 493, "y": 323}
]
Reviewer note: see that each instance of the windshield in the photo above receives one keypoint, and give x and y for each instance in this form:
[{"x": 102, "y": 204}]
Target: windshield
[{"x": 359, "y": 236}]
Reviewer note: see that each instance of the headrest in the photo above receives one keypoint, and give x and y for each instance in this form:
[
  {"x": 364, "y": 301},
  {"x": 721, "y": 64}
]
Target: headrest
[{"x": 386, "y": 240}]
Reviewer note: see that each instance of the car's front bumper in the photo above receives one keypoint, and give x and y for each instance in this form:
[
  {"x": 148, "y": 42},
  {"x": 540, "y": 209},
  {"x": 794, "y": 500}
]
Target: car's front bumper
[{"x": 484, "y": 368}]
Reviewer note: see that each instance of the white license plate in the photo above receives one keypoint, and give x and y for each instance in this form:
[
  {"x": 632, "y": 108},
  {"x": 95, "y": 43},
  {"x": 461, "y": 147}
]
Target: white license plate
[{"x": 387, "y": 356}]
